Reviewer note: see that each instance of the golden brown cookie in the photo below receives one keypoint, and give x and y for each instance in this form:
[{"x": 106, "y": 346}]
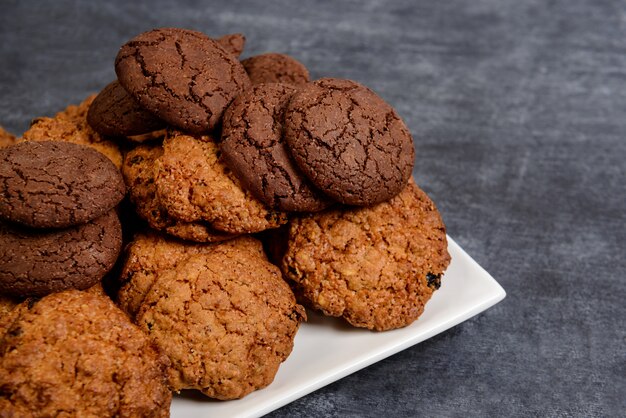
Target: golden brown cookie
[
  {"x": 6, "y": 138},
  {"x": 221, "y": 312},
  {"x": 193, "y": 184},
  {"x": 75, "y": 354},
  {"x": 71, "y": 125},
  {"x": 374, "y": 266},
  {"x": 138, "y": 171}
]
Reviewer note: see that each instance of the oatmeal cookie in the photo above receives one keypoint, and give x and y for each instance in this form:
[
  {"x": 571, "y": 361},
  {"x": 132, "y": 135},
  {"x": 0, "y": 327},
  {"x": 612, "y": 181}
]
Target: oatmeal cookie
[
  {"x": 75, "y": 354},
  {"x": 221, "y": 312},
  {"x": 374, "y": 266},
  {"x": 6, "y": 138}
]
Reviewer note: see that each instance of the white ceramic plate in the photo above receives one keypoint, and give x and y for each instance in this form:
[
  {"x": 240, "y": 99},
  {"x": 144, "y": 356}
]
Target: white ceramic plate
[{"x": 326, "y": 349}]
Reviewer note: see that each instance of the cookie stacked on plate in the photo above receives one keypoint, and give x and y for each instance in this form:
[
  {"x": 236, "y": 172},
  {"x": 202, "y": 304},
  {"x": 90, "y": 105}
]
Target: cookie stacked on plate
[{"x": 224, "y": 160}]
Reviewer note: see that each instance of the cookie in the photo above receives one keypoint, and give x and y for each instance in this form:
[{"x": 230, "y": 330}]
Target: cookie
[
  {"x": 115, "y": 113},
  {"x": 376, "y": 267},
  {"x": 139, "y": 173},
  {"x": 275, "y": 68},
  {"x": 6, "y": 138},
  {"x": 6, "y": 306},
  {"x": 56, "y": 184},
  {"x": 221, "y": 312},
  {"x": 348, "y": 141},
  {"x": 181, "y": 76},
  {"x": 233, "y": 43},
  {"x": 35, "y": 262},
  {"x": 252, "y": 146},
  {"x": 193, "y": 184},
  {"x": 70, "y": 125},
  {"x": 76, "y": 354}
]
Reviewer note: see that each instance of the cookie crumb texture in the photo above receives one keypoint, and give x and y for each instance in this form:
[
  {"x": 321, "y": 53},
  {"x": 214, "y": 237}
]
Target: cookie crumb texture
[
  {"x": 369, "y": 265},
  {"x": 56, "y": 184},
  {"x": 252, "y": 146},
  {"x": 70, "y": 125},
  {"x": 75, "y": 354},
  {"x": 221, "y": 312},
  {"x": 348, "y": 141},
  {"x": 37, "y": 262},
  {"x": 183, "y": 77},
  {"x": 276, "y": 68},
  {"x": 193, "y": 184}
]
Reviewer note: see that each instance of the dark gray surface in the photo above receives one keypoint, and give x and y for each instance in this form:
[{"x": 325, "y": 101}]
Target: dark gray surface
[{"x": 518, "y": 113}]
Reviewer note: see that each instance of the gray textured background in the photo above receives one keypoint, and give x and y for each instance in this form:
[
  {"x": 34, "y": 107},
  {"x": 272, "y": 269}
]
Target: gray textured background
[{"x": 518, "y": 113}]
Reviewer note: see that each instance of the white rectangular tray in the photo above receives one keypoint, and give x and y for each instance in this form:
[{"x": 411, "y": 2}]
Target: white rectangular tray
[{"x": 327, "y": 349}]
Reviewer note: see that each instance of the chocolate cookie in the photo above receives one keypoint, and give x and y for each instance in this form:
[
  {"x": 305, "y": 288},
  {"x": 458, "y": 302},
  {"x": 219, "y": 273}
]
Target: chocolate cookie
[
  {"x": 76, "y": 354},
  {"x": 35, "y": 262},
  {"x": 56, "y": 184},
  {"x": 221, "y": 312},
  {"x": 70, "y": 125},
  {"x": 348, "y": 141},
  {"x": 183, "y": 77},
  {"x": 139, "y": 174},
  {"x": 252, "y": 146},
  {"x": 275, "y": 68},
  {"x": 115, "y": 113},
  {"x": 193, "y": 184},
  {"x": 233, "y": 43},
  {"x": 6, "y": 138},
  {"x": 374, "y": 266}
]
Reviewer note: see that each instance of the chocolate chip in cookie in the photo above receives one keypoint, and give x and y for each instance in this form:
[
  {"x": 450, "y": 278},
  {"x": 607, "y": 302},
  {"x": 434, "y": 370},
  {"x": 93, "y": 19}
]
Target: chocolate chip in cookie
[
  {"x": 56, "y": 184},
  {"x": 348, "y": 141},
  {"x": 183, "y": 77},
  {"x": 252, "y": 146}
]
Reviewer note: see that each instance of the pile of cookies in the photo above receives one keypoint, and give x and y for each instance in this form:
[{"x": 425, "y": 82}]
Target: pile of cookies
[{"x": 250, "y": 190}]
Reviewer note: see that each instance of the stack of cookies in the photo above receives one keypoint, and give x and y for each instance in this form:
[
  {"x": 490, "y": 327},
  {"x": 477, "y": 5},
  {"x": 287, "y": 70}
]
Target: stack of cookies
[{"x": 224, "y": 161}]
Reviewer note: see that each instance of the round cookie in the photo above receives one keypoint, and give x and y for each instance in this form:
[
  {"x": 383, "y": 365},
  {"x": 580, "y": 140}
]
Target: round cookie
[
  {"x": 376, "y": 266},
  {"x": 38, "y": 262},
  {"x": 223, "y": 314},
  {"x": 139, "y": 173},
  {"x": 193, "y": 184},
  {"x": 348, "y": 141},
  {"x": 275, "y": 68},
  {"x": 115, "y": 113},
  {"x": 70, "y": 125},
  {"x": 183, "y": 77},
  {"x": 252, "y": 146},
  {"x": 6, "y": 138},
  {"x": 233, "y": 43},
  {"x": 56, "y": 184},
  {"x": 76, "y": 354}
]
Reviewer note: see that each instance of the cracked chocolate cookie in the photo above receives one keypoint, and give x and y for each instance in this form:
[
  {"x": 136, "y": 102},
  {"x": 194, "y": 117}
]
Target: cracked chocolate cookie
[
  {"x": 183, "y": 77},
  {"x": 233, "y": 43},
  {"x": 252, "y": 146},
  {"x": 348, "y": 141},
  {"x": 6, "y": 138},
  {"x": 115, "y": 113},
  {"x": 70, "y": 125},
  {"x": 139, "y": 174},
  {"x": 221, "y": 312},
  {"x": 275, "y": 68},
  {"x": 193, "y": 184},
  {"x": 35, "y": 262},
  {"x": 56, "y": 184},
  {"x": 76, "y": 354},
  {"x": 376, "y": 266}
]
